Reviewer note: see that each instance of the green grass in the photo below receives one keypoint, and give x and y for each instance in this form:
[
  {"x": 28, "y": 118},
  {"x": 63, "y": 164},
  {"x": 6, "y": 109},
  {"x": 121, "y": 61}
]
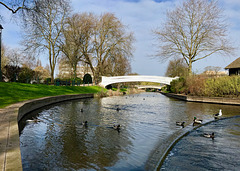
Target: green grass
[{"x": 16, "y": 92}]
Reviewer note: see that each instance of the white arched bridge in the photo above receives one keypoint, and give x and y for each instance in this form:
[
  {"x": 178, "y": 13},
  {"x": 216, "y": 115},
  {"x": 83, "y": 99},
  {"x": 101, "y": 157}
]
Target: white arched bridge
[{"x": 136, "y": 78}]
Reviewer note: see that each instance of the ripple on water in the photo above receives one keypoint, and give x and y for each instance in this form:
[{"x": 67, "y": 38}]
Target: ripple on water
[
  {"x": 197, "y": 152},
  {"x": 59, "y": 140}
]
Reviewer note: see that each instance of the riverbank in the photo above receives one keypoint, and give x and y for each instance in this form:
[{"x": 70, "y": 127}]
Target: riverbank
[
  {"x": 214, "y": 100},
  {"x": 11, "y": 93},
  {"x": 120, "y": 93}
]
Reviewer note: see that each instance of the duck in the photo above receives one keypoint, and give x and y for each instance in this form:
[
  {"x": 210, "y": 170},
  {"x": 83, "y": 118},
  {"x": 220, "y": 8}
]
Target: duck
[
  {"x": 81, "y": 110},
  {"x": 218, "y": 114},
  {"x": 207, "y": 135},
  {"x": 116, "y": 127},
  {"x": 197, "y": 120},
  {"x": 33, "y": 120},
  {"x": 85, "y": 123},
  {"x": 180, "y": 124}
]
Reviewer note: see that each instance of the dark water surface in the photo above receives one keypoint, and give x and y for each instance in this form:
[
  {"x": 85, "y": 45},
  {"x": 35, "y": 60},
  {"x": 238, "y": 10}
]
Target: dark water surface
[
  {"x": 60, "y": 142},
  {"x": 196, "y": 152}
]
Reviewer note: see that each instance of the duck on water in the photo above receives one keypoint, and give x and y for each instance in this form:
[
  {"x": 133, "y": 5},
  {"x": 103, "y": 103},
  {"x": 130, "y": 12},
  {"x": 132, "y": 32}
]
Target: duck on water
[
  {"x": 207, "y": 135},
  {"x": 217, "y": 115}
]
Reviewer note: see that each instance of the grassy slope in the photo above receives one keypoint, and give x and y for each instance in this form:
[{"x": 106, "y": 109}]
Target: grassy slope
[{"x": 15, "y": 92}]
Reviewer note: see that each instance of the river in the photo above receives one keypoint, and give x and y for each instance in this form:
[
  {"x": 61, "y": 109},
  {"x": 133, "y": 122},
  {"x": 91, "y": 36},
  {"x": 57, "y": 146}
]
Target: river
[{"x": 59, "y": 141}]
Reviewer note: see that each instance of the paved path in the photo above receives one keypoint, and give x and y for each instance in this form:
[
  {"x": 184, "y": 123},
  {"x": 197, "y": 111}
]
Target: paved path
[{"x": 10, "y": 156}]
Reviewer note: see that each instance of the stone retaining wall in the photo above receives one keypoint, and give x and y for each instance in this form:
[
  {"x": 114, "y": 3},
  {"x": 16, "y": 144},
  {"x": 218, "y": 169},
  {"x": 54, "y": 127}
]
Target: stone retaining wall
[
  {"x": 10, "y": 155},
  {"x": 216, "y": 100}
]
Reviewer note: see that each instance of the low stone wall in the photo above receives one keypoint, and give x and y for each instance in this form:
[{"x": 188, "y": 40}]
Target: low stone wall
[
  {"x": 216, "y": 100},
  {"x": 38, "y": 103},
  {"x": 10, "y": 155}
]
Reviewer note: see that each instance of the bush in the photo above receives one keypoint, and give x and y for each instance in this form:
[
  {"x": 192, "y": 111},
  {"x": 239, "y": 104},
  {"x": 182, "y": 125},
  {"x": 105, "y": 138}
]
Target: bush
[
  {"x": 87, "y": 79},
  {"x": 200, "y": 85},
  {"x": 195, "y": 85},
  {"x": 11, "y": 72},
  {"x": 178, "y": 85},
  {"x": 25, "y": 75},
  {"x": 223, "y": 86},
  {"x": 123, "y": 90}
]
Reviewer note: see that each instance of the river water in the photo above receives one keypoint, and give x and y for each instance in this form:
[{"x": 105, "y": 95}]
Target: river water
[{"x": 60, "y": 142}]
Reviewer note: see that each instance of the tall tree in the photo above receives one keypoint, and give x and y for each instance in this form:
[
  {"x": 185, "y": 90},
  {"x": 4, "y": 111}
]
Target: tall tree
[
  {"x": 194, "y": 31},
  {"x": 110, "y": 40},
  {"x": 45, "y": 24},
  {"x": 77, "y": 36}
]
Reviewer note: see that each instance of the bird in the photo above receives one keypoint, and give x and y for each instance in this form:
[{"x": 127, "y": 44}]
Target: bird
[
  {"x": 197, "y": 120},
  {"x": 207, "y": 135},
  {"x": 85, "y": 123},
  {"x": 117, "y": 127},
  {"x": 218, "y": 114},
  {"x": 180, "y": 124},
  {"x": 33, "y": 120},
  {"x": 81, "y": 110}
]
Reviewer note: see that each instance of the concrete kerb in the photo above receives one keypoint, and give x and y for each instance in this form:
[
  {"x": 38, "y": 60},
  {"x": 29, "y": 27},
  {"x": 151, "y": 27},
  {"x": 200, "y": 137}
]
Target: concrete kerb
[{"x": 10, "y": 155}]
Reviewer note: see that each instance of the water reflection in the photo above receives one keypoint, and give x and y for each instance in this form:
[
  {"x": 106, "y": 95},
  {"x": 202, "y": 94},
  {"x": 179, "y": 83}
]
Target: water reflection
[{"x": 60, "y": 142}]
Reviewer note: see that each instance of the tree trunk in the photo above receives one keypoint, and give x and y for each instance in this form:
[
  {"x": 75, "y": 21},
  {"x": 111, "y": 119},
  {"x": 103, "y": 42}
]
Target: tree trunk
[{"x": 190, "y": 68}]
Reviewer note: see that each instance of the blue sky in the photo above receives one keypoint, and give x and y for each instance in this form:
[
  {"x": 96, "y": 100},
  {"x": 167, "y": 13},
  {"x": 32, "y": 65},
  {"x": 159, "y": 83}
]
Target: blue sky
[{"x": 141, "y": 17}]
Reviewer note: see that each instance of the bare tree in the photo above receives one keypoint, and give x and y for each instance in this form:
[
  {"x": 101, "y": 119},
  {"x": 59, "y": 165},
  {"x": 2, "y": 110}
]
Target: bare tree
[
  {"x": 77, "y": 37},
  {"x": 4, "y": 58},
  {"x": 194, "y": 30},
  {"x": 45, "y": 26},
  {"x": 14, "y": 56},
  {"x": 110, "y": 40},
  {"x": 212, "y": 70},
  {"x": 15, "y": 5}
]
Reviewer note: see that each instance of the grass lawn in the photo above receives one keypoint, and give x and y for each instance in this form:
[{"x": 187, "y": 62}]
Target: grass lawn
[{"x": 16, "y": 92}]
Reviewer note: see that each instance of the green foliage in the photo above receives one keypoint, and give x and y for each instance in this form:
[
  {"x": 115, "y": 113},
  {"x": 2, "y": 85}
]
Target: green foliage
[
  {"x": 123, "y": 90},
  {"x": 178, "y": 85},
  {"x": 200, "y": 85},
  {"x": 16, "y": 92},
  {"x": 11, "y": 72},
  {"x": 223, "y": 86},
  {"x": 87, "y": 79},
  {"x": 25, "y": 75},
  {"x": 114, "y": 89}
]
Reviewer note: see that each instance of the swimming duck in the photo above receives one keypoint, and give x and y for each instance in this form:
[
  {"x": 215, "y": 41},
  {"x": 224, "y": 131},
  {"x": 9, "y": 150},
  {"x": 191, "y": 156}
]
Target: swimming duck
[
  {"x": 33, "y": 120},
  {"x": 197, "y": 120},
  {"x": 207, "y": 135},
  {"x": 218, "y": 114},
  {"x": 116, "y": 127},
  {"x": 180, "y": 124},
  {"x": 85, "y": 123}
]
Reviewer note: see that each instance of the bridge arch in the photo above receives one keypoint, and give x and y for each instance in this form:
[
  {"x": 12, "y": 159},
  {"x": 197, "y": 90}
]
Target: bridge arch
[{"x": 135, "y": 78}]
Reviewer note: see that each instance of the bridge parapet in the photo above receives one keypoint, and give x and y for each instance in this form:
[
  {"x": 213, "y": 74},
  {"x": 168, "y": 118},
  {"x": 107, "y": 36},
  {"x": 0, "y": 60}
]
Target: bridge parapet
[{"x": 136, "y": 78}]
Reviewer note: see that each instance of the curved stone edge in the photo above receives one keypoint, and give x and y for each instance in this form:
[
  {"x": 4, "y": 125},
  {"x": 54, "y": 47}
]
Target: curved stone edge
[
  {"x": 10, "y": 154},
  {"x": 174, "y": 139},
  {"x": 215, "y": 100}
]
